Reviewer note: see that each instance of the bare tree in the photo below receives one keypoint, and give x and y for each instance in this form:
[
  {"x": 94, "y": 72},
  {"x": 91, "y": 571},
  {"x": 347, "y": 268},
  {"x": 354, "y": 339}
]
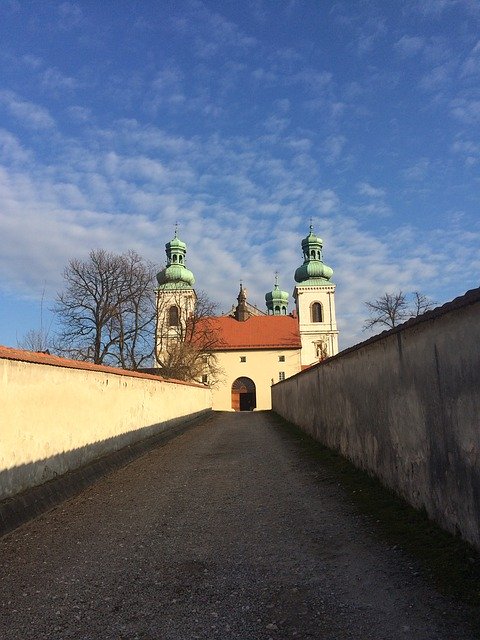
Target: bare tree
[
  {"x": 186, "y": 350},
  {"x": 420, "y": 304},
  {"x": 392, "y": 309},
  {"x": 107, "y": 309},
  {"x": 36, "y": 340}
]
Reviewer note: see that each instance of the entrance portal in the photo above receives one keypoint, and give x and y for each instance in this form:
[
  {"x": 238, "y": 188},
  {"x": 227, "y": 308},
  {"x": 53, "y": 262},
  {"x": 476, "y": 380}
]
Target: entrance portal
[{"x": 244, "y": 397}]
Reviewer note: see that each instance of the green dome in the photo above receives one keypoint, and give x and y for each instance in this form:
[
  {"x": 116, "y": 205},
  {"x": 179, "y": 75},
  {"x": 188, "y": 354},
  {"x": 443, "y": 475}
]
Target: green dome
[
  {"x": 277, "y": 300},
  {"x": 313, "y": 271},
  {"x": 175, "y": 275},
  {"x": 312, "y": 240},
  {"x": 175, "y": 243}
]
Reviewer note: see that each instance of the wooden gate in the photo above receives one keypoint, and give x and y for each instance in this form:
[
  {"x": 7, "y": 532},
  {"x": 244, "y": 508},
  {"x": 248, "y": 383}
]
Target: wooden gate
[{"x": 244, "y": 397}]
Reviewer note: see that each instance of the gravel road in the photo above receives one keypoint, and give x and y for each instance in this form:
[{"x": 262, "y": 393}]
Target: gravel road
[{"x": 223, "y": 532}]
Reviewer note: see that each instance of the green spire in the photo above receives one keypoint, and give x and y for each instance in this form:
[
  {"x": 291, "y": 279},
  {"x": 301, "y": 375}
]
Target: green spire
[
  {"x": 175, "y": 275},
  {"x": 277, "y": 300},
  {"x": 313, "y": 271}
]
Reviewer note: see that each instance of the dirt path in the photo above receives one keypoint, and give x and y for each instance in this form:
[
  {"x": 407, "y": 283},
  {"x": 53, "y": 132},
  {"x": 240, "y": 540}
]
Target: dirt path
[{"x": 224, "y": 532}]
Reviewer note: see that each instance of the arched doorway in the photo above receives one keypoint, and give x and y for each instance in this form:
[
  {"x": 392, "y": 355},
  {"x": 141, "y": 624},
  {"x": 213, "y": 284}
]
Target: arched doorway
[{"x": 244, "y": 397}]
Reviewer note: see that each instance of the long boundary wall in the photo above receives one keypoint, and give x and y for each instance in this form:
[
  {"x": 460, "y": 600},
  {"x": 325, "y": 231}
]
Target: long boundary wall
[
  {"x": 57, "y": 415},
  {"x": 405, "y": 405}
]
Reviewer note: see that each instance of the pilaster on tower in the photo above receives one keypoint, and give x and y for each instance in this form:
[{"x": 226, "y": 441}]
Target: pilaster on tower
[
  {"x": 315, "y": 301},
  {"x": 176, "y": 299}
]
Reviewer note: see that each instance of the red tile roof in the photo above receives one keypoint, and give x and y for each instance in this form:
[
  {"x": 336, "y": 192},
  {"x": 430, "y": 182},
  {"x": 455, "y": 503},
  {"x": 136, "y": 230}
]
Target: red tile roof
[
  {"x": 258, "y": 332},
  {"x": 38, "y": 357}
]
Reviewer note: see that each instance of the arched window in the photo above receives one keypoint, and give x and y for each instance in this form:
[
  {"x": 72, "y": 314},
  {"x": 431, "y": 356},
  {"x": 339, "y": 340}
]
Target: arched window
[
  {"x": 173, "y": 316},
  {"x": 317, "y": 312},
  {"x": 174, "y": 258},
  {"x": 277, "y": 309},
  {"x": 312, "y": 254}
]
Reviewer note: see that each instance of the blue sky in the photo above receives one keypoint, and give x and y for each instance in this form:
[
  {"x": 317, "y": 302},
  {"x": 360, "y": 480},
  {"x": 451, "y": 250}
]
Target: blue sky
[{"x": 241, "y": 120}]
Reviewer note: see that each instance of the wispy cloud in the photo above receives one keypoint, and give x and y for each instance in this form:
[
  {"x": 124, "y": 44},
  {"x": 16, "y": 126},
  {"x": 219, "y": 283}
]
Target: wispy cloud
[
  {"x": 29, "y": 114},
  {"x": 53, "y": 79},
  {"x": 366, "y": 189},
  {"x": 409, "y": 46},
  {"x": 70, "y": 15},
  {"x": 466, "y": 109},
  {"x": 418, "y": 170}
]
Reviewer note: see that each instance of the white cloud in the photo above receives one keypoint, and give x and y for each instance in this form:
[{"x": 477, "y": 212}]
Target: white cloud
[
  {"x": 11, "y": 149},
  {"x": 378, "y": 209},
  {"x": 328, "y": 201},
  {"x": 126, "y": 185},
  {"x": 53, "y": 79},
  {"x": 467, "y": 110},
  {"x": 80, "y": 114},
  {"x": 29, "y": 114},
  {"x": 437, "y": 77},
  {"x": 418, "y": 170},
  {"x": 334, "y": 146},
  {"x": 409, "y": 46},
  {"x": 70, "y": 15},
  {"x": 274, "y": 124},
  {"x": 366, "y": 189},
  {"x": 469, "y": 149}
]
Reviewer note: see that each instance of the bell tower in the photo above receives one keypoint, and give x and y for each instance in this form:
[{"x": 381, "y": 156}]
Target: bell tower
[
  {"x": 315, "y": 301},
  {"x": 176, "y": 299}
]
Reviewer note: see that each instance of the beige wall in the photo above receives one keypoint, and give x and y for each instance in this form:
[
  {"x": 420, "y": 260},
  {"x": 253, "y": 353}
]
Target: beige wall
[
  {"x": 56, "y": 418},
  {"x": 262, "y": 367},
  {"x": 405, "y": 405}
]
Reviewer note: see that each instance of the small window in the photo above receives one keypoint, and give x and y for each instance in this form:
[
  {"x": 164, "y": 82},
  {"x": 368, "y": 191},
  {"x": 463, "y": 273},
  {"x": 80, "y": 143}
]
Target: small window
[
  {"x": 281, "y": 358},
  {"x": 317, "y": 312},
  {"x": 205, "y": 378},
  {"x": 281, "y": 375},
  {"x": 173, "y": 316},
  {"x": 243, "y": 358}
]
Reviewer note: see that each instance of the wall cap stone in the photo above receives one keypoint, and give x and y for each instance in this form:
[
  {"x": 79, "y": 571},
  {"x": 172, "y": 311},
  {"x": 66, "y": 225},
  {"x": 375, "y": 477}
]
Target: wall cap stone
[
  {"x": 39, "y": 357},
  {"x": 470, "y": 297}
]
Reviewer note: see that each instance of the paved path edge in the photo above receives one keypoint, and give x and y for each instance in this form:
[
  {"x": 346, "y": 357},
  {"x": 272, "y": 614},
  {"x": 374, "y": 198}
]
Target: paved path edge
[{"x": 31, "y": 503}]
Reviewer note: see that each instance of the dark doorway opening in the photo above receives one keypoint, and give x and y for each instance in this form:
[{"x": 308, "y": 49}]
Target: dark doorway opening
[{"x": 244, "y": 397}]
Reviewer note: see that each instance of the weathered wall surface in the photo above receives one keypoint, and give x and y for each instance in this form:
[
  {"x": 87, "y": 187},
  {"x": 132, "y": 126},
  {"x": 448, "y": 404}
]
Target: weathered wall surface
[
  {"x": 405, "y": 405},
  {"x": 56, "y": 415}
]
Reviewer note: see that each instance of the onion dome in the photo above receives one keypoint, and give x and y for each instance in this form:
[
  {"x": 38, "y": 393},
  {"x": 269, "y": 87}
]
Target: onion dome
[
  {"x": 175, "y": 275},
  {"x": 277, "y": 300},
  {"x": 313, "y": 271}
]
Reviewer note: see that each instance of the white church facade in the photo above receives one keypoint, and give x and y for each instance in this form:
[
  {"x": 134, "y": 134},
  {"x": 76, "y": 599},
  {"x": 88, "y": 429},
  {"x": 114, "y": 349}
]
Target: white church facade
[{"x": 253, "y": 349}]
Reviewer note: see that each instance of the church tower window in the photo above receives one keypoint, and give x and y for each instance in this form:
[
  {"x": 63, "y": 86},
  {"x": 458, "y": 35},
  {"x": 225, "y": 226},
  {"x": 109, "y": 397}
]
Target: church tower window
[
  {"x": 173, "y": 316},
  {"x": 317, "y": 312}
]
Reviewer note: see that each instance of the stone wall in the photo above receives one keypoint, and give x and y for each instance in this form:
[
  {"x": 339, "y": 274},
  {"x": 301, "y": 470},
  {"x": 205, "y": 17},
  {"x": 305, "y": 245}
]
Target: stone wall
[
  {"x": 405, "y": 405},
  {"x": 57, "y": 415}
]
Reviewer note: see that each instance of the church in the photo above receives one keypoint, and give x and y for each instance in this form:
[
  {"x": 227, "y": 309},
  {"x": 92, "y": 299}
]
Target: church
[{"x": 252, "y": 348}]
